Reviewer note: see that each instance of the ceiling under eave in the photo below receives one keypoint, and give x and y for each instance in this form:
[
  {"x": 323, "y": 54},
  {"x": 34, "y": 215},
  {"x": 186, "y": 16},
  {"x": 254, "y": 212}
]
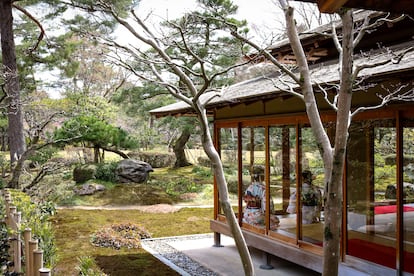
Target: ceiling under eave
[{"x": 394, "y": 6}]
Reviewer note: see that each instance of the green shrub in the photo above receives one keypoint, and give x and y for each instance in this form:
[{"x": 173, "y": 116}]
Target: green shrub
[
  {"x": 83, "y": 173},
  {"x": 106, "y": 171},
  {"x": 43, "y": 155},
  {"x": 4, "y": 238},
  {"x": 182, "y": 186},
  {"x": 233, "y": 183},
  {"x": 36, "y": 217}
]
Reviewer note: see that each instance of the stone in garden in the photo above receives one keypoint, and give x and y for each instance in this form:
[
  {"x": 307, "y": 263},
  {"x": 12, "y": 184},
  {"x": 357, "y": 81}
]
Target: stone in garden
[
  {"x": 130, "y": 170},
  {"x": 89, "y": 189}
]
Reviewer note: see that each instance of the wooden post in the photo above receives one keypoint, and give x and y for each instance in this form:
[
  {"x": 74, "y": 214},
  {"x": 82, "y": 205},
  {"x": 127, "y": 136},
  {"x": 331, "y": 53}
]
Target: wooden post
[
  {"x": 27, "y": 235},
  {"x": 12, "y": 225},
  {"x": 44, "y": 271},
  {"x": 7, "y": 202},
  {"x": 17, "y": 245},
  {"x": 10, "y": 216},
  {"x": 37, "y": 262},
  {"x": 32, "y": 248}
]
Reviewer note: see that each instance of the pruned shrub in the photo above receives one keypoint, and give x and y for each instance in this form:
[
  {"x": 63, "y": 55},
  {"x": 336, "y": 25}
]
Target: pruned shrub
[
  {"x": 233, "y": 184},
  {"x": 204, "y": 161},
  {"x": 83, "y": 173},
  {"x": 106, "y": 172},
  {"x": 155, "y": 159}
]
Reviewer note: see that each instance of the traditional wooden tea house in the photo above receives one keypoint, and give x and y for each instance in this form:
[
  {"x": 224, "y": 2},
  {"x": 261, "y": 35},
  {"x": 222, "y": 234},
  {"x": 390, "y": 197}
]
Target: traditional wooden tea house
[{"x": 263, "y": 135}]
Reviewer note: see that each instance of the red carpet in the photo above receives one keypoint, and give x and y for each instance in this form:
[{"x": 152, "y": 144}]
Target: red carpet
[
  {"x": 386, "y": 209},
  {"x": 380, "y": 254}
]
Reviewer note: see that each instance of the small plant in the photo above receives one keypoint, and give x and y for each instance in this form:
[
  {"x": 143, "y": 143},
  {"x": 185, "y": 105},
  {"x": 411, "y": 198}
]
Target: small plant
[
  {"x": 88, "y": 267},
  {"x": 181, "y": 186},
  {"x": 4, "y": 243},
  {"x": 202, "y": 171}
]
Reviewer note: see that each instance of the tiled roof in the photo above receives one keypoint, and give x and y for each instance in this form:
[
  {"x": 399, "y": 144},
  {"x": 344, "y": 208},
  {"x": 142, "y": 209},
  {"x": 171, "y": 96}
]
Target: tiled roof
[{"x": 271, "y": 86}]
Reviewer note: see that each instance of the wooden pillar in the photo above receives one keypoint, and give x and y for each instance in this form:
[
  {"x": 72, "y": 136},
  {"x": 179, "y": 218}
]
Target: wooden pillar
[
  {"x": 27, "y": 236},
  {"x": 13, "y": 226},
  {"x": 17, "y": 246},
  {"x": 32, "y": 247},
  {"x": 7, "y": 201},
  {"x": 37, "y": 262},
  {"x": 44, "y": 272}
]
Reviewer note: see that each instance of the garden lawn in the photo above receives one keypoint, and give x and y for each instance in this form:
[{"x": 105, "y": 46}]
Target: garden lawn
[{"x": 73, "y": 230}]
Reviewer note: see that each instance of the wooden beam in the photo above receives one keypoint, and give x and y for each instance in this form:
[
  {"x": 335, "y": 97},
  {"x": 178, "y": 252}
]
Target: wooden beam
[{"x": 330, "y": 6}]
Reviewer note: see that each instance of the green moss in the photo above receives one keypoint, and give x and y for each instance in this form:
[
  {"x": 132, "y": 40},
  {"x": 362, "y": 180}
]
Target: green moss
[{"x": 75, "y": 227}]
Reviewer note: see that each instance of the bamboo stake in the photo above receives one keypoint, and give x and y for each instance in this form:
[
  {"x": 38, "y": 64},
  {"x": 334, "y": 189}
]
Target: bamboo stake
[
  {"x": 27, "y": 237},
  {"x": 32, "y": 247},
  {"x": 17, "y": 245},
  {"x": 44, "y": 271},
  {"x": 38, "y": 262}
]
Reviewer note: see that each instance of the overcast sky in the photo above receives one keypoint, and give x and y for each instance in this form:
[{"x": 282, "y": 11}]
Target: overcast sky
[{"x": 261, "y": 15}]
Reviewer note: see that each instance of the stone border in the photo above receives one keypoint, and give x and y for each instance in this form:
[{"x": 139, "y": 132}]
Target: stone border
[{"x": 175, "y": 259}]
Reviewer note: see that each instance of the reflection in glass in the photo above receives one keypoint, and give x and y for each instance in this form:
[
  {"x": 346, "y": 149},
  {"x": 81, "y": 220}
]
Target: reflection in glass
[
  {"x": 371, "y": 192},
  {"x": 228, "y": 153},
  {"x": 254, "y": 177},
  {"x": 311, "y": 190},
  {"x": 408, "y": 194},
  {"x": 282, "y": 152}
]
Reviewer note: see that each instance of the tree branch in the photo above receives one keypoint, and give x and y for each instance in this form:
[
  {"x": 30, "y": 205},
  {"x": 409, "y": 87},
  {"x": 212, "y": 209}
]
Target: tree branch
[{"x": 42, "y": 30}]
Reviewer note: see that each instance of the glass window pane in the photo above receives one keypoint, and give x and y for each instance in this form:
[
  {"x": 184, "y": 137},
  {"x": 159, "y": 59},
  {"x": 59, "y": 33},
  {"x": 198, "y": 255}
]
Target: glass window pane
[
  {"x": 312, "y": 189},
  {"x": 228, "y": 153},
  {"x": 371, "y": 193},
  {"x": 282, "y": 145},
  {"x": 408, "y": 209},
  {"x": 253, "y": 164}
]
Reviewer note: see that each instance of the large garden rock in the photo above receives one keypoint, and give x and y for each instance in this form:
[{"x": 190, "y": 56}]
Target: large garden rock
[{"x": 130, "y": 170}]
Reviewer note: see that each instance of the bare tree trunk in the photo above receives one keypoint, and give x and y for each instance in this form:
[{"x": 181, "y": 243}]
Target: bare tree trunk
[
  {"x": 18, "y": 169},
  {"x": 96, "y": 154},
  {"x": 17, "y": 143},
  {"x": 224, "y": 199},
  {"x": 179, "y": 146},
  {"x": 120, "y": 153},
  {"x": 333, "y": 208}
]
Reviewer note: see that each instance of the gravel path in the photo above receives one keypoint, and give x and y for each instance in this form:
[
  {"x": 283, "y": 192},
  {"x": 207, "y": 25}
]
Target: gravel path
[{"x": 174, "y": 258}]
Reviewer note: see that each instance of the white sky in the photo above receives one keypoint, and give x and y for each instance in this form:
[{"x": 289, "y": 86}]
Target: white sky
[
  {"x": 263, "y": 14},
  {"x": 257, "y": 10}
]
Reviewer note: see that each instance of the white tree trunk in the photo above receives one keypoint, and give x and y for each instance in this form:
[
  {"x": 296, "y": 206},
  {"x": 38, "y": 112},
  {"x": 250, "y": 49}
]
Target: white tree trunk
[
  {"x": 333, "y": 207},
  {"x": 225, "y": 203}
]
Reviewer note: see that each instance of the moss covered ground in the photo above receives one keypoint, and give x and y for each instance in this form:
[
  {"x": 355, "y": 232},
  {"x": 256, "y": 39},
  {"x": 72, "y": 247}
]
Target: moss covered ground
[{"x": 74, "y": 228}]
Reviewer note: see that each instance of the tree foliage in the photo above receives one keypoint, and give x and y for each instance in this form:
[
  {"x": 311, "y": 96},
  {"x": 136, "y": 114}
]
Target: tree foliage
[{"x": 90, "y": 129}]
